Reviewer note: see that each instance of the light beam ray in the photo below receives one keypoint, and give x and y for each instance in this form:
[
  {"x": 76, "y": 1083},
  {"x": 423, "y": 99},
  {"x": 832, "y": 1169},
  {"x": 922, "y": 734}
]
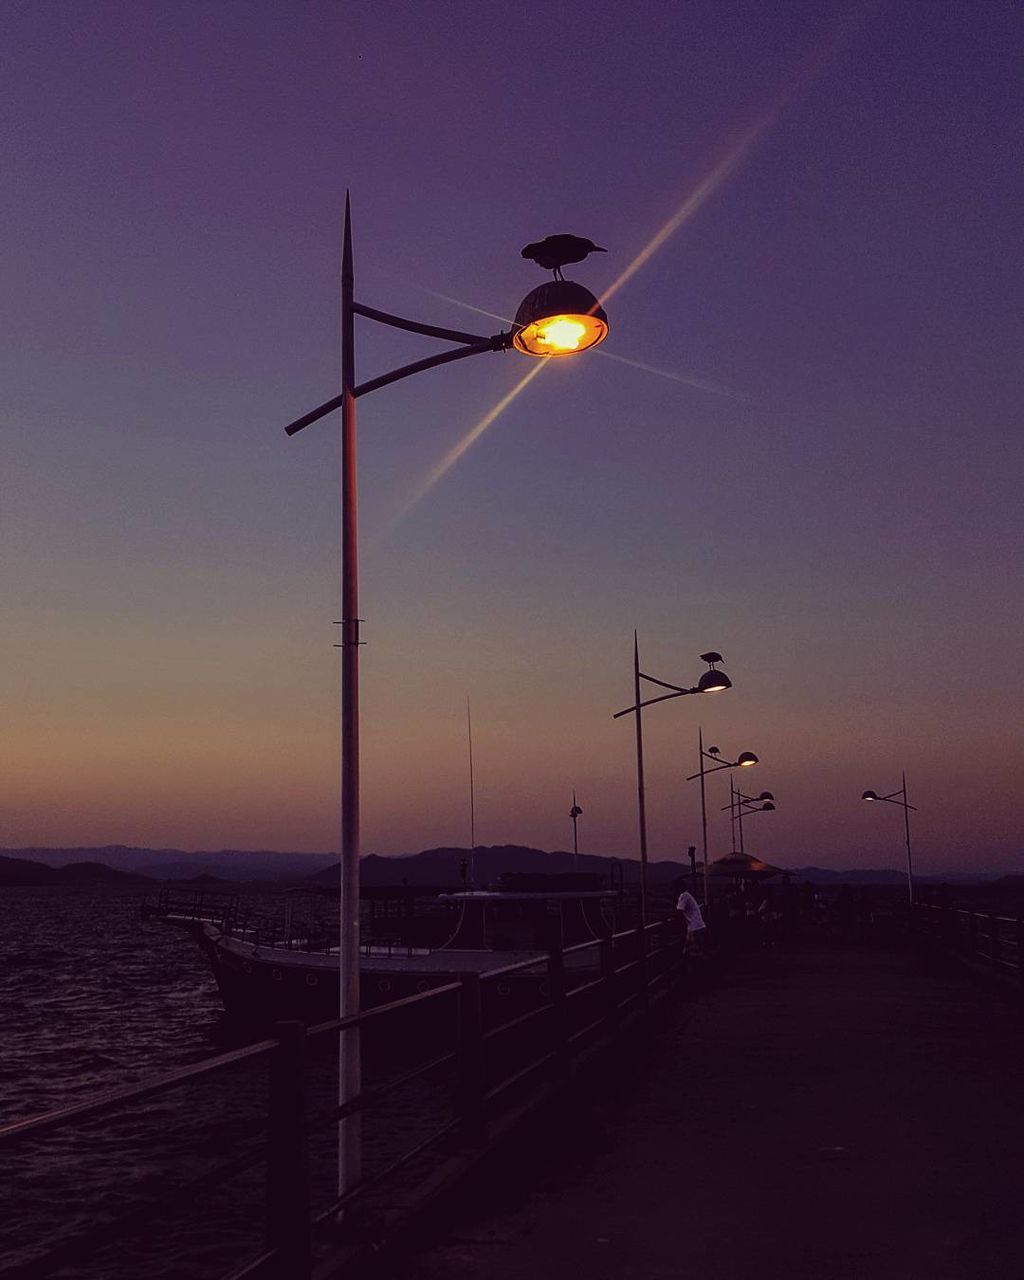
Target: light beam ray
[
  {"x": 441, "y": 468},
  {"x": 702, "y": 384},
  {"x": 687, "y": 380},
  {"x": 704, "y": 189}
]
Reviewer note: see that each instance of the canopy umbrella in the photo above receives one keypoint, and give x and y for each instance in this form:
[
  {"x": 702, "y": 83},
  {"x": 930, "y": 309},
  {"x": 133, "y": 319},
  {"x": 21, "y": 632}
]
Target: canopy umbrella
[{"x": 744, "y": 866}]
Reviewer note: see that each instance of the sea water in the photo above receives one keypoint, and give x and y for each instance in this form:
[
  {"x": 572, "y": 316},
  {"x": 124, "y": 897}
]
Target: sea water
[{"x": 92, "y": 998}]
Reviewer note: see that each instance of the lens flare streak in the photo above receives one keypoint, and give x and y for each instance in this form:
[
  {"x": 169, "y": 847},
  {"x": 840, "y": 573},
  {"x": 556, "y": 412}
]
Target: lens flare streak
[
  {"x": 687, "y": 380},
  {"x": 704, "y": 189},
  {"x": 441, "y": 468}
]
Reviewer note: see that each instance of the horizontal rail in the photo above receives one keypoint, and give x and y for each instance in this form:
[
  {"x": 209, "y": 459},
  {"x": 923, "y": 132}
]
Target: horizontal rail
[
  {"x": 555, "y": 1042},
  {"x": 520, "y": 1020},
  {"x": 365, "y": 1185},
  {"x": 381, "y": 1010},
  {"x": 372, "y": 1095},
  {"x": 134, "y": 1092},
  {"x": 80, "y": 1246}
]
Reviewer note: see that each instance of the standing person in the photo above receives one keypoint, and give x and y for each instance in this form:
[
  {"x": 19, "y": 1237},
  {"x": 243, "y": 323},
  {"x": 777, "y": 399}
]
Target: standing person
[{"x": 695, "y": 926}]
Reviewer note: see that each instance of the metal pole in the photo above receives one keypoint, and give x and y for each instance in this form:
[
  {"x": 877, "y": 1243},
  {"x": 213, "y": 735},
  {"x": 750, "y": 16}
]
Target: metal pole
[
  {"x": 640, "y": 781},
  {"x": 739, "y": 819},
  {"x": 704, "y": 819},
  {"x": 906, "y": 823},
  {"x": 472, "y": 801},
  {"x": 349, "y": 1066}
]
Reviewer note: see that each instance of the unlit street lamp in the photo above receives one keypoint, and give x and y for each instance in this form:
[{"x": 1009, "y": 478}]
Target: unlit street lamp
[{"x": 558, "y": 318}]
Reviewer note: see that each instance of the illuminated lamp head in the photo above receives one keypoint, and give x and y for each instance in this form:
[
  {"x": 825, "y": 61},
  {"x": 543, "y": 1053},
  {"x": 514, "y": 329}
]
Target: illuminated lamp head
[
  {"x": 746, "y": 758},
  {"x": 558, "y": 319},
  {"x": 766, "y": 795},
  {"x": 713, "y": 682},
  {"x": 870, "y": 795}
]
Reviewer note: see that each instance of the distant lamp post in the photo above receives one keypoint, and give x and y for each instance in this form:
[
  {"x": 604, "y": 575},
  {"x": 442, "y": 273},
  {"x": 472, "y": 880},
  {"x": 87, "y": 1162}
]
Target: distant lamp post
[
  {"x": 745, "y": 760},
  {"x": 553, "y": 324},
  {"x": 575, "y": 813},
  {"x": 712, "y": 681},
  {"x": 900, "y": 798},
  {"x": 739, "y": 804}
]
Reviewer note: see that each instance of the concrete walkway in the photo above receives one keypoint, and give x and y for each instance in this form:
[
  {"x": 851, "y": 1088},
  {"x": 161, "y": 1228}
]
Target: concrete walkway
[{"x": 826, "y": 1114}]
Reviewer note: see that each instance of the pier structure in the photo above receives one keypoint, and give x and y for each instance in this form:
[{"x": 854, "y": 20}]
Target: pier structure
[
  {"x": 845, "y": 1104},
  {"x": 842, "y": 1112}
]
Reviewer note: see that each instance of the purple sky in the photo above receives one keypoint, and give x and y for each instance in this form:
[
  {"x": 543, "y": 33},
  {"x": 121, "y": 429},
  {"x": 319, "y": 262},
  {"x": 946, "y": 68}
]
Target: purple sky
[{"x": 845, "y": 529}]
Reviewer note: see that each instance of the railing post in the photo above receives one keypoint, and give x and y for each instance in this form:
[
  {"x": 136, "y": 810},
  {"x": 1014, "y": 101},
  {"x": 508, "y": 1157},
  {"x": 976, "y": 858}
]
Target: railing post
[
  {"x": 471, "y": 1059},
  {"x": 1020, "y": 951},
  {"x": 287, "y": 1171},
  {"x": 993, "y": 940},
  {"x": 556, "y": 987},
  {"x": 643, "y": 992},
  {"x": 949, "y": 940},
  {"x": 610, "y": 986}
]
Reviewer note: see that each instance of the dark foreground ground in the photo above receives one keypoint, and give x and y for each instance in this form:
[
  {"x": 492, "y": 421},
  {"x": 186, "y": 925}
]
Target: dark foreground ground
[{"x": 818, "y": 1114}]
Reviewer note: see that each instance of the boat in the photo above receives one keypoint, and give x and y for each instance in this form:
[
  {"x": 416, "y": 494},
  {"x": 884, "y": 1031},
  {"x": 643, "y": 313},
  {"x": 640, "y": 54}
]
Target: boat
[{"x": 268, "y": 968}]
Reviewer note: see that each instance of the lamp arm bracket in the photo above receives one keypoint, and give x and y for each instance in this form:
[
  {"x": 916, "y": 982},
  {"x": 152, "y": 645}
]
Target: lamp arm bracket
[
  {"x": 430, "y": 362},
  {"x": 415, "y": 326},
  {"x": 705, "y": 772},
  {"x": 664, "y": 684},
  {"x": 902, "y": 803},
  {"x": 649, "y": 702},
  {"x": 470, "y": 344}
]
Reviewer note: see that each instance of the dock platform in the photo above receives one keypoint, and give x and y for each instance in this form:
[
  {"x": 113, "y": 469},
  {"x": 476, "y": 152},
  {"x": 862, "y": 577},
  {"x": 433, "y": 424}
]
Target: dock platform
[{"x": 817, "y": 1113}]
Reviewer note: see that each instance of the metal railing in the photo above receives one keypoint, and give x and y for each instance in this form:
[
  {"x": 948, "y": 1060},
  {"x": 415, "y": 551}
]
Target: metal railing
[
  {"x": 573, "y": 1002},
  {"x": 981, "y": 937}
]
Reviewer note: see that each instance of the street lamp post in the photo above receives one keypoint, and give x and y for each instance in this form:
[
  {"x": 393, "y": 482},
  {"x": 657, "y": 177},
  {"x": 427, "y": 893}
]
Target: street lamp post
[
  {"x": 906, "y": 806},
  {"x": 712, "y": 681},
  {"x": 574, "y": 813},
  {"x": 739, "y": 804},
  {"x": 558, "y": 318},
  {"x": 745, "y": 760}
]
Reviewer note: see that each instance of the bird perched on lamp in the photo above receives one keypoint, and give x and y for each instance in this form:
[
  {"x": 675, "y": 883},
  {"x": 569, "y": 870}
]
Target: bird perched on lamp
[{"x": 555, "y": 252}]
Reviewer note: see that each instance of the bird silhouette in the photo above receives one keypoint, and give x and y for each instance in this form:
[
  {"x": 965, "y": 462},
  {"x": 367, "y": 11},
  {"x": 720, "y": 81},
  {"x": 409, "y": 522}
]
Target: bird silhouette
[{"x": 555, "y": 252}]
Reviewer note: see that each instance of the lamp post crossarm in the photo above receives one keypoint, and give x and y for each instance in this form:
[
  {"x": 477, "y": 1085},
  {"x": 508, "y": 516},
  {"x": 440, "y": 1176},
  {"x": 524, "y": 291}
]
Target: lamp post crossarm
[
  {"x": 429, "y": 362},
  {"x": 664, "y": 684},
  {"x": 649, "y": 702},
  {"x": 725, "y": 764},
  {"x": 748, "y": 806},
  {"x": 471, "y": 344},
  {"x": 417, "y": 326},
  {"x": 903, "y": 804}
]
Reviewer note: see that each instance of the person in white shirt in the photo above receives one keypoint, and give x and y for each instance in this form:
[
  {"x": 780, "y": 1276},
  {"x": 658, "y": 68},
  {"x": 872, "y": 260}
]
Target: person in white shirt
[{"x": 695, "y": 926}]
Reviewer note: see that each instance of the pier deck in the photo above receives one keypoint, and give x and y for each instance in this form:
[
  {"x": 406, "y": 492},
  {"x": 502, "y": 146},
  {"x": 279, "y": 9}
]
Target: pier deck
[{"x": 826, "y": 1113}]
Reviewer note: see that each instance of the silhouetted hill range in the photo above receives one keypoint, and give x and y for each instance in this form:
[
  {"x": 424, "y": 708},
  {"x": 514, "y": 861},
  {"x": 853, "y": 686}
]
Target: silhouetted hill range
[
  {"x": 431, "y": 866},
  {"x": 26, "y": 871}
]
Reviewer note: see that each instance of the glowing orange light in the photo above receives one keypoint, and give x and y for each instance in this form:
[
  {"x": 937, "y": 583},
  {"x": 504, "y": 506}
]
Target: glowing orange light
[{"x": 561, "y": 335}]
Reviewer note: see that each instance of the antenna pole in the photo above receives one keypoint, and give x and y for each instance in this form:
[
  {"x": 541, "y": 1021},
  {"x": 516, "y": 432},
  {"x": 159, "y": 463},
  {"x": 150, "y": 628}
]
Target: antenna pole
[{"x": 472, "y": 801}]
